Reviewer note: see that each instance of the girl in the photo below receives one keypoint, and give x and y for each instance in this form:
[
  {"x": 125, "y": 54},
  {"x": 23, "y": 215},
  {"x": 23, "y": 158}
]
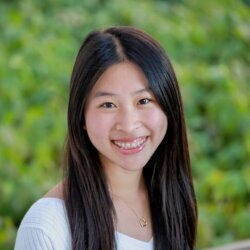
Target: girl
[{"x": 128, "y": 181}]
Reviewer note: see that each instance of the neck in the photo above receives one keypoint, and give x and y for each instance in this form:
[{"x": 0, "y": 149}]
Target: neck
[{"x": 125, "y": 184}]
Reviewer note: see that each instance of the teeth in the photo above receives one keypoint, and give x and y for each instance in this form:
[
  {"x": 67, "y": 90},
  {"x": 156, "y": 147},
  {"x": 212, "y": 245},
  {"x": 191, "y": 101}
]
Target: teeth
[{"x": 130, "y": 145}]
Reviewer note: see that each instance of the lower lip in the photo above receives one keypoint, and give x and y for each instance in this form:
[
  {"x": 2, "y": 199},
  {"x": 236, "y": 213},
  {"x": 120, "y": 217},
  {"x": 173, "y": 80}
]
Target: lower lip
[{"x": 130, "y": 151}]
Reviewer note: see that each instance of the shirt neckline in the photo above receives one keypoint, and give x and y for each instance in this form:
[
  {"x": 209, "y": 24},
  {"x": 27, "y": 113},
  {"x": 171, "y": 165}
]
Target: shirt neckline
[
  {"x": 129, "y": 238},
  {"x": 119, "y": 234}
]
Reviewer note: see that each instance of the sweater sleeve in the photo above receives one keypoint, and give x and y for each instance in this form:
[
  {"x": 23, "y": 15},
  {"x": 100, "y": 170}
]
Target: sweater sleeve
[
  {"x": 33, "y": 239},
  {"x": 44, "y": 227}
]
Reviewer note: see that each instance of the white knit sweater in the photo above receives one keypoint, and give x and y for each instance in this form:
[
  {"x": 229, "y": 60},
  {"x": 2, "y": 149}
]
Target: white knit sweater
[{"x": 45, "y": 227}]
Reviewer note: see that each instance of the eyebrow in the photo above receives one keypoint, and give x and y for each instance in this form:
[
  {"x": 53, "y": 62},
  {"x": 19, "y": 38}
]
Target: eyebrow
[{"x": 104, "y": 93}]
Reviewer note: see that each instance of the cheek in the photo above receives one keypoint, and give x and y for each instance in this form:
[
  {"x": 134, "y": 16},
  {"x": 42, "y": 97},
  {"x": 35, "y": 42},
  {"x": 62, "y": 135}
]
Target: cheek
[
  {"x": 158, "y": 121},
  {"x": 91, "y": 122},
  {"x": 96, "y": 125}
]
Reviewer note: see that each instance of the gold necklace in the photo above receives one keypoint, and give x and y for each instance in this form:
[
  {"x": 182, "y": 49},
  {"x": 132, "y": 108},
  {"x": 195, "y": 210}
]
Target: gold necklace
[{"x": 142, "y": 221}]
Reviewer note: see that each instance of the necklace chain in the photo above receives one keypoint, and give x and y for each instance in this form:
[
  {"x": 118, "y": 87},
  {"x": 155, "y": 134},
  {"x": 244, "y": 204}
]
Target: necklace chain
[{"x": 142, "y": 221}]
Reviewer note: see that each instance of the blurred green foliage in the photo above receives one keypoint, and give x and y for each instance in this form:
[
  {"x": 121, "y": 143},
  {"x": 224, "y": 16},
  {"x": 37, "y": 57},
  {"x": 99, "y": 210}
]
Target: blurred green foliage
[{"x": 208, "y": 42}]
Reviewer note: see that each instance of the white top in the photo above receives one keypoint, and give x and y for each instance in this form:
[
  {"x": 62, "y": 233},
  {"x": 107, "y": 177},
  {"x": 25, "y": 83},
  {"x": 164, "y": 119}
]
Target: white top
[{"x": 45, "y": 227}]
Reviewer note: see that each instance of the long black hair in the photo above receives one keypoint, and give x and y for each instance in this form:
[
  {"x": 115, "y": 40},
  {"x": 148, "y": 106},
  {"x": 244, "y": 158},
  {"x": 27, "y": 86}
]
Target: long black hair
[{"x": 167, "y": 174}]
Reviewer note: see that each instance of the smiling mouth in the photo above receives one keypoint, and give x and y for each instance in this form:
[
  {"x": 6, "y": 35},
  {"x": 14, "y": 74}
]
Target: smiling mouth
[{"x": 137, "y": 143}]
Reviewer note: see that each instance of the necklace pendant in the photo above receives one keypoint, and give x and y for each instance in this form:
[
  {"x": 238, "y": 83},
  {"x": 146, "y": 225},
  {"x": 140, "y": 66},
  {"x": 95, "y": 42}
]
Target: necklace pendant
[{"x": 143, "y": 222}]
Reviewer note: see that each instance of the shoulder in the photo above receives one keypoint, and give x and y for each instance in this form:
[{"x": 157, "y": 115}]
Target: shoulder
[
  {"x": 46, "y": 224},
  {"x": 57, "y": 191}
]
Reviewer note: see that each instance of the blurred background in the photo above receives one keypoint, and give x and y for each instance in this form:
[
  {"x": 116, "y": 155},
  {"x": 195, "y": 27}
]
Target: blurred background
[{"x": 208, "y": 43}]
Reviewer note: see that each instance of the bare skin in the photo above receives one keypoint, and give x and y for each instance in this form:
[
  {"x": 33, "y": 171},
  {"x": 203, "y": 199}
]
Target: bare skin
[
  {"x": 56, "y": 191},
  {"x": 124, "y": 199},
  {"x": 125, "y": 124},
  {"x": 130, "y": 199}
]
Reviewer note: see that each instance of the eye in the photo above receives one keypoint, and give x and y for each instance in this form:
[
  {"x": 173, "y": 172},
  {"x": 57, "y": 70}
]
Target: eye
[
  {"x": 107, "y": 105},
  {"x": 144, "y": 101}
]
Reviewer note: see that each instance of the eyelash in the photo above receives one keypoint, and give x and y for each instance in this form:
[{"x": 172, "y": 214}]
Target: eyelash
[
  {"x": 106, "y": 104},
  {"x": 142, "y": 101},
  {"x": 109, "y": 105}
]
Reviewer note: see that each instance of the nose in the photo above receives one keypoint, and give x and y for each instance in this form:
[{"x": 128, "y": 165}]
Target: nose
[{"x": 128, "y": 120}]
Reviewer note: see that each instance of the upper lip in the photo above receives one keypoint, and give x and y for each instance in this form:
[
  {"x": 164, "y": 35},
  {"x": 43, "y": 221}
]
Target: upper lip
[{"x": 129, "y": 139}]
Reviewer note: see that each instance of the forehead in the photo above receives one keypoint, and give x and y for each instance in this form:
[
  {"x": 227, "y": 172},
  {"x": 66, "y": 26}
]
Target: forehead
[{"x": 121, "y": 78}]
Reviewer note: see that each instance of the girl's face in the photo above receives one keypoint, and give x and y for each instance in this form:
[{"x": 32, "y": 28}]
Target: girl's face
[{"x": 122, "y": 118}]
